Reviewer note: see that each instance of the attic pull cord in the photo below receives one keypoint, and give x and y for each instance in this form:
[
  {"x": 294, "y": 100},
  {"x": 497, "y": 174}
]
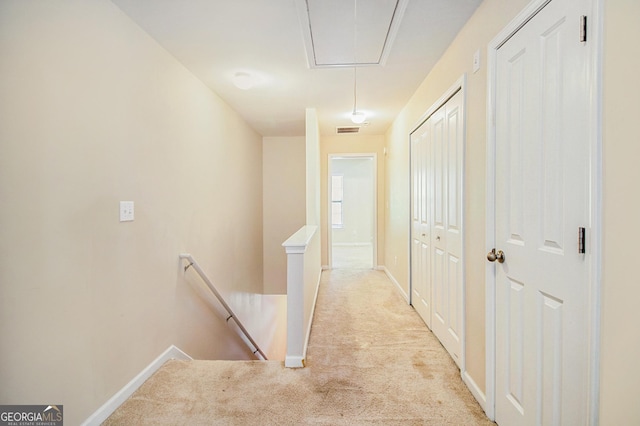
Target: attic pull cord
[{"x": 355, "y": 55}]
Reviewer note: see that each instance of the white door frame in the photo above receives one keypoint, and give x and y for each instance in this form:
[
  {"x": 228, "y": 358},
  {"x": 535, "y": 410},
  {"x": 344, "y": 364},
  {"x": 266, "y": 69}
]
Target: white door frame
[
  {"x": 373, "y": 156},
  {"x": 594, "y": 240},
  {"x": 458, "y": 86}
]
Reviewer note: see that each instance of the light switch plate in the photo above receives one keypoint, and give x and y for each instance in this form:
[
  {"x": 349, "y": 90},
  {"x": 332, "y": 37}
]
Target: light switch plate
[
  {"x": 126, "y": 211},
  {"x": 476, "y": 61}
]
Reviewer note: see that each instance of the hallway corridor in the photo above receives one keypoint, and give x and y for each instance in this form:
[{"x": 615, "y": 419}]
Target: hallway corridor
[{"x": 371, "y": 360}]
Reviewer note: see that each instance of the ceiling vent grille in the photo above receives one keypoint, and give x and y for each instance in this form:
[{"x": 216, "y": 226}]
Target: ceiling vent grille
[{"x": 347, "y": 129}]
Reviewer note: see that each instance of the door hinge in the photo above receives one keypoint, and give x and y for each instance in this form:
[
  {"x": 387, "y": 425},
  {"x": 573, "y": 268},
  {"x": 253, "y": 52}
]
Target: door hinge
[
  {"x": 581, "y": 240},
  {"x": 583, "y": 29}
]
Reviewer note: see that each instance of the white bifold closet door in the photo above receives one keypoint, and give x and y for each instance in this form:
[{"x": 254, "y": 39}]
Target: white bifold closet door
[{"x": 437, "y": 283}]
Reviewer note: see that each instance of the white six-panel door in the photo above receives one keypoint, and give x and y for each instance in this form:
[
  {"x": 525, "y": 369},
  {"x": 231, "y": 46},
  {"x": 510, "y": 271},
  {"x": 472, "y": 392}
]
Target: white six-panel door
[
  {"x": 542, "y": 199},
  {"x": 437, "y": 273}
]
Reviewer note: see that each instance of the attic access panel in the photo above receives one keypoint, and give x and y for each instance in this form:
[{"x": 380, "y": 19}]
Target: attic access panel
[{"x": 341, "y": 33}]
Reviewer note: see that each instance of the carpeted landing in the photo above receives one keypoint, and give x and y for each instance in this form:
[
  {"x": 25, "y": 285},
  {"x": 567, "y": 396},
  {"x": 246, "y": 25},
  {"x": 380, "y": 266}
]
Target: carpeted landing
[{"x": 371, "y": 361}]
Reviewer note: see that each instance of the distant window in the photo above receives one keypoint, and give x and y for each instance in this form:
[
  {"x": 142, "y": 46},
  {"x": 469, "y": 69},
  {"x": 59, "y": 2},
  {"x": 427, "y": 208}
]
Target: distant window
[{"x": 337, "y": 190}]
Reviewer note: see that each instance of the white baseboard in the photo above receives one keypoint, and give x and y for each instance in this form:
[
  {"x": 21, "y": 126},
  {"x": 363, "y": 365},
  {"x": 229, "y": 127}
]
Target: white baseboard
[
  {"x": 121, "y": 396},
  {"x": 294, "y": 362},
  {"x": 475, "y": 390},
  {"x": 393, "y": 280}
]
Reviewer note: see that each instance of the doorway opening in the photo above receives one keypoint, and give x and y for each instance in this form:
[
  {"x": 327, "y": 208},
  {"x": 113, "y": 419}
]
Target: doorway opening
[{"x": 352, "y": 211}]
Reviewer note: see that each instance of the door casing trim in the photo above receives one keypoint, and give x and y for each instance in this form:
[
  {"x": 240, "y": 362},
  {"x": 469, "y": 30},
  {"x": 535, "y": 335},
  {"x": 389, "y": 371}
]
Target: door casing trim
[{"x": 353, "y": 155}]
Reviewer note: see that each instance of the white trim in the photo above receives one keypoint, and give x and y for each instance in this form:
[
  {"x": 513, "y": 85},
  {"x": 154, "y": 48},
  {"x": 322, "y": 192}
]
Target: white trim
[
  {"x": 475, "y": 390},
  {"x": 102, "y": 413},
  {"x": 490, "y": 236},
  {"x": 298, "y": 242},
  {"x": 296, "y": 286},
  {"x": 463, "y": 224},
  {"x": 459, "y": 84},
  {"x": 595, "y": 242},
  {"x": 294, "y": 361},
  {"x": 302, "y": 9},
  {"x": 329, "y": 214},
  {"x": 393, "y": 280},
  {"x": 352, "y": 244},
  {"x": 374, "y": 157}
]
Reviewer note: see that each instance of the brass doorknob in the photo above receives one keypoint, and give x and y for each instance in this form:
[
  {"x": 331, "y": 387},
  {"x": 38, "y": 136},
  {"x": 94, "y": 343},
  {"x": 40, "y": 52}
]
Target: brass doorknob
[{"x": 492, "y": 256}]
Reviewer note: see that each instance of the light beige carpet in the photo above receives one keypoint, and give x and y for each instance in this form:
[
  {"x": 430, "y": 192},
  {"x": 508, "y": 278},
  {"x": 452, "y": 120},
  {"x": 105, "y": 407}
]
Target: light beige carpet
[{"x": 371, "y": 361}]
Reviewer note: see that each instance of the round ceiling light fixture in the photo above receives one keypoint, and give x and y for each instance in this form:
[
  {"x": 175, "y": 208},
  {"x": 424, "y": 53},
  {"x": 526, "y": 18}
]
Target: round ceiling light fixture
[
  {"x": 243, "y": 80},
  {"x": 358, "y": 117}
]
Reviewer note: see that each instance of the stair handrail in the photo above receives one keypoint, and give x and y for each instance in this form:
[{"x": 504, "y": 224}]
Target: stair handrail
[{"x": 198, "y": 269}]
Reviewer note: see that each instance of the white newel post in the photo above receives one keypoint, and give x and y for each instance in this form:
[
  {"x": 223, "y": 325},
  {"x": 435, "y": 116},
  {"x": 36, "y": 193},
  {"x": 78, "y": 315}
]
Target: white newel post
[{"x": 298, "y": 289}]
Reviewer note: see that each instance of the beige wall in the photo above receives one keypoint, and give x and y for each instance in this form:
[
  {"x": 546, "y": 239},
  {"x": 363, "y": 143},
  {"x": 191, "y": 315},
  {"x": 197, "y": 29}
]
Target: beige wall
[
  {"x": 92, "y": 111},
  {"x": 488, "y": 20},
  {"x": 621, "y": 209},
  {"x": 283, "y": 169},
  {"x": 352, "y": 144},
  {"x": 313, "y": 172}
]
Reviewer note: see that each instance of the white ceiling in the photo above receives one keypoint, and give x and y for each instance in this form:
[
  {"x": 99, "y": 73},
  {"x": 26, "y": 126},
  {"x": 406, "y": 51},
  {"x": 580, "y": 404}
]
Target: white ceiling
[{"x": 270, "y": 40}]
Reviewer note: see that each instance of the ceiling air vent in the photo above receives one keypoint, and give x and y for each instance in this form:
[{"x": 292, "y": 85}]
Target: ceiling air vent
[{"x": 347, "y": 129}]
